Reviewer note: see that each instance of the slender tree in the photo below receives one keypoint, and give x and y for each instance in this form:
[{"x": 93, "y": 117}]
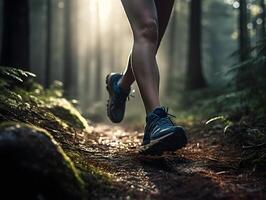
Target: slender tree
[
  {"x": 244, "y": 40},
  {"x": 112, "y": 40},
  {"x": 48, "y": 43},
  {"x": 87, "y": 74},
  {"x": 172, "y": 54},
  {"x": 16, "y": 34},
  {"x": 87, "y": 71},
  {"x": 182, "y": 25},
  {"x": 98, "y": 81},
  {"x": 217, "y": 10},
  {"x": 70, "y": 70},
  {"x": 262, "y": 16},
  {"x": 194, "y": 76},
  {"x": 243, "y": 74}
]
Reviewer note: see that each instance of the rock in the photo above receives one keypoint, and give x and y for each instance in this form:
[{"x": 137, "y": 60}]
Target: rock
[{"x": 34, "y": 166}]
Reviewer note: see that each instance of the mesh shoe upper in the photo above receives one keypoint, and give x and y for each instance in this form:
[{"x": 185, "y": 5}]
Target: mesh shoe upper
[
  {"x": 158, "y": 124},
  {"x": 117, "y": 98}
]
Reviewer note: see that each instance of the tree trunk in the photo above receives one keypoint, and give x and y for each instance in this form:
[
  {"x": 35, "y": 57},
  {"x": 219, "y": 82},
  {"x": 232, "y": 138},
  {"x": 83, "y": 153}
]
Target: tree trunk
[
  {"x": 262, "y": 16},
  {"x": 70, "y": 70},
  {"x": 87, "y": 71},
  {"x": 16, "y": 34},
  {"x": 171, "y": 70},
  {"x": 182, "y": 37},
  {"x": 244, "y": 41},
  {"x": 112, "y": 45},
  {"x": 244, "y": 47},
  {"x": 98, "y": 81},
  {"x": 48, "y": 43},
  {"x": 112, "y": 42},
  {"x": 194, "y": 76}
]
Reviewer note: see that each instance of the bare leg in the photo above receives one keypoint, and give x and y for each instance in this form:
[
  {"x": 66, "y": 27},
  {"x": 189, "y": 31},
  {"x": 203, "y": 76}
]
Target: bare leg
[
  {"x": 163, "y": 9},
  {"x": 142, "y": 16}
]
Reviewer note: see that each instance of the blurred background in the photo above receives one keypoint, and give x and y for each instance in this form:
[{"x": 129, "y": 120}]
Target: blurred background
[{"x": 79, "y": 42}]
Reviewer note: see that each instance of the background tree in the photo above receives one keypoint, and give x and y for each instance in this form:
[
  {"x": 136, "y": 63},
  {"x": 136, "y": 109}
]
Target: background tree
[
  {"x": 172, "y": 46},
  {"x": 218, "y": 29},
  {"x": 194, "y": 76},
  {"x": 244, "y": 40},
  {"x": 79, "y": 45},
  {"x": 87, "y": 70},
  {"x": 112, "y": 44},
  {"x": 16, "y": 34},
  {"x": 182, "y": 31},
  {"x": 70, "y": 69},
  {"x": 48, "y": 43},
  {"x": 98, "y": 76},
  {"x": 262, "y": 16},
  {"x": 244, "y": 47}
]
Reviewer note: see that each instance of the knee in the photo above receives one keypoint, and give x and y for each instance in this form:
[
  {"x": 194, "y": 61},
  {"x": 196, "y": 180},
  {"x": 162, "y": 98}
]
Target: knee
[{"x": 148, "y": 32}]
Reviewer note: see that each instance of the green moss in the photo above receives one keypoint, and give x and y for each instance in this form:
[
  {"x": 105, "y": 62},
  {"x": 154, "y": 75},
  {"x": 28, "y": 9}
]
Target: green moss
[
  {"x": 24, "y": 103},
  {"x": 34, "y": 104},
  {"x": 66, "y": 159},
  {"x": 64, "y": 110},
  {"x": 83, "y": 164},
  {"x": 47, "y": 134}
]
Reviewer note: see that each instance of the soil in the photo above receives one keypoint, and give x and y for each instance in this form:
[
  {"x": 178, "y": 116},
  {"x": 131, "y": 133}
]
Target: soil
[{"x": 207, "y": 168}]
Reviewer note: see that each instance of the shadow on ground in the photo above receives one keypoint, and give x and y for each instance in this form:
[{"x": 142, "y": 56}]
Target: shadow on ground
[{"x": 206, "y": 169}]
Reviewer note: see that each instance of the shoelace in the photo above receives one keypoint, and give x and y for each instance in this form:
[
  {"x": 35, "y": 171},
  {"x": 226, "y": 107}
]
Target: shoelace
[
  {"x": 167, "y": 112},
  {"x": 131, "y": 95},
  {"x": 163, "y": 121}
]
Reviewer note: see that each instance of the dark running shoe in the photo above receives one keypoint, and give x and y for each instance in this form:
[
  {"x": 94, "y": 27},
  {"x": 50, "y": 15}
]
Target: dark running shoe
[
  {"x": 161, "y": 135},
  {"x": 116, "y": 103}
]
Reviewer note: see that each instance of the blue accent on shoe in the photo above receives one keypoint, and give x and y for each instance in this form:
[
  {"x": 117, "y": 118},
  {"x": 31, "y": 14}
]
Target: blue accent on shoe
[
  {"x": 117, "y": 98},
  {"x": 161, "y": 134}
]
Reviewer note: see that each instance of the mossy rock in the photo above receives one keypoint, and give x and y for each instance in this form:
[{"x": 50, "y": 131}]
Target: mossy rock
[
  {"x": 34, "y": 166},
  {"x": 24, "y": 100},
  {"x": 65, "y": 111}
]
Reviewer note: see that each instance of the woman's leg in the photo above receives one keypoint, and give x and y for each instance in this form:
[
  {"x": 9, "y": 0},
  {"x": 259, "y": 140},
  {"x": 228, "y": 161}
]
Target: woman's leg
[
  {"x": 143, "y": 19},
  {"x": 164, "y": 9},
  {"x": 160, "y": 134}
]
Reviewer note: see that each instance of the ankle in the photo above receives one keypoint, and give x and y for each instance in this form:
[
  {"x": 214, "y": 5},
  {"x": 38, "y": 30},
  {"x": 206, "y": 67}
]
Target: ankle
[
  {"x": 119, "y": 90},
  {"x": 122, "y": 85},
  {"x": 152, "y": 109}
]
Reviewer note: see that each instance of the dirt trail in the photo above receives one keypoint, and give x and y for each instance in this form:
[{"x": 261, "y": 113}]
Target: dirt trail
[{"x": 206, "y": 169}]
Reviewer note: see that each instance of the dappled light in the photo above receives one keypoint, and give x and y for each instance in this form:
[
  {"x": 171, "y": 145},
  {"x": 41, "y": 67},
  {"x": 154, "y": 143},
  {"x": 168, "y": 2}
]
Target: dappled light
[{"x": 85, "y": 114}]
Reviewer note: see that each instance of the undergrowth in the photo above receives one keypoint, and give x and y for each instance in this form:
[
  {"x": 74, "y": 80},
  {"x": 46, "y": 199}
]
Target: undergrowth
[{"x": 23, "y": 100}]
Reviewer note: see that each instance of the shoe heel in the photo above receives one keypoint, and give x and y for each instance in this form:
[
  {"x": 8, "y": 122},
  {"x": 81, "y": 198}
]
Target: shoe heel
[
  {"x": 106, "y": 82},
  {"x": 106, "y": 79}
]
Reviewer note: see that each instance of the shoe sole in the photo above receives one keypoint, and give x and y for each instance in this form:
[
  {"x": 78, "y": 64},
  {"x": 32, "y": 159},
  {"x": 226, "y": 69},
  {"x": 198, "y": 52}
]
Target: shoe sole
[
  {"x": 107, "y": 81},
  {"x": 168, "y": 143}
]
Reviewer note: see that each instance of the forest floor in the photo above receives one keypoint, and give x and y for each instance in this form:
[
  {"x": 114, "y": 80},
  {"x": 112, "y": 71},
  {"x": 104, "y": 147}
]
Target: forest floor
[
  {"x": 223, "y": 160},
  {"x": 207, "y": 168}
]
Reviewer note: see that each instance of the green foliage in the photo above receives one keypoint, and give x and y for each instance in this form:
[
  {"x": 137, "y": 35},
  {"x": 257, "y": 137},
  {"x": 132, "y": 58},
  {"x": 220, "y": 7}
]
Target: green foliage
[
  {"x": 26, "y": 103},
  {"x": 13, "y": 75},
  {"x": 250, "y": 76},
  {"x": 24, "y": 100},
  {"x": 226, "y": 121},
  {"x": 258, "y": 60}
]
